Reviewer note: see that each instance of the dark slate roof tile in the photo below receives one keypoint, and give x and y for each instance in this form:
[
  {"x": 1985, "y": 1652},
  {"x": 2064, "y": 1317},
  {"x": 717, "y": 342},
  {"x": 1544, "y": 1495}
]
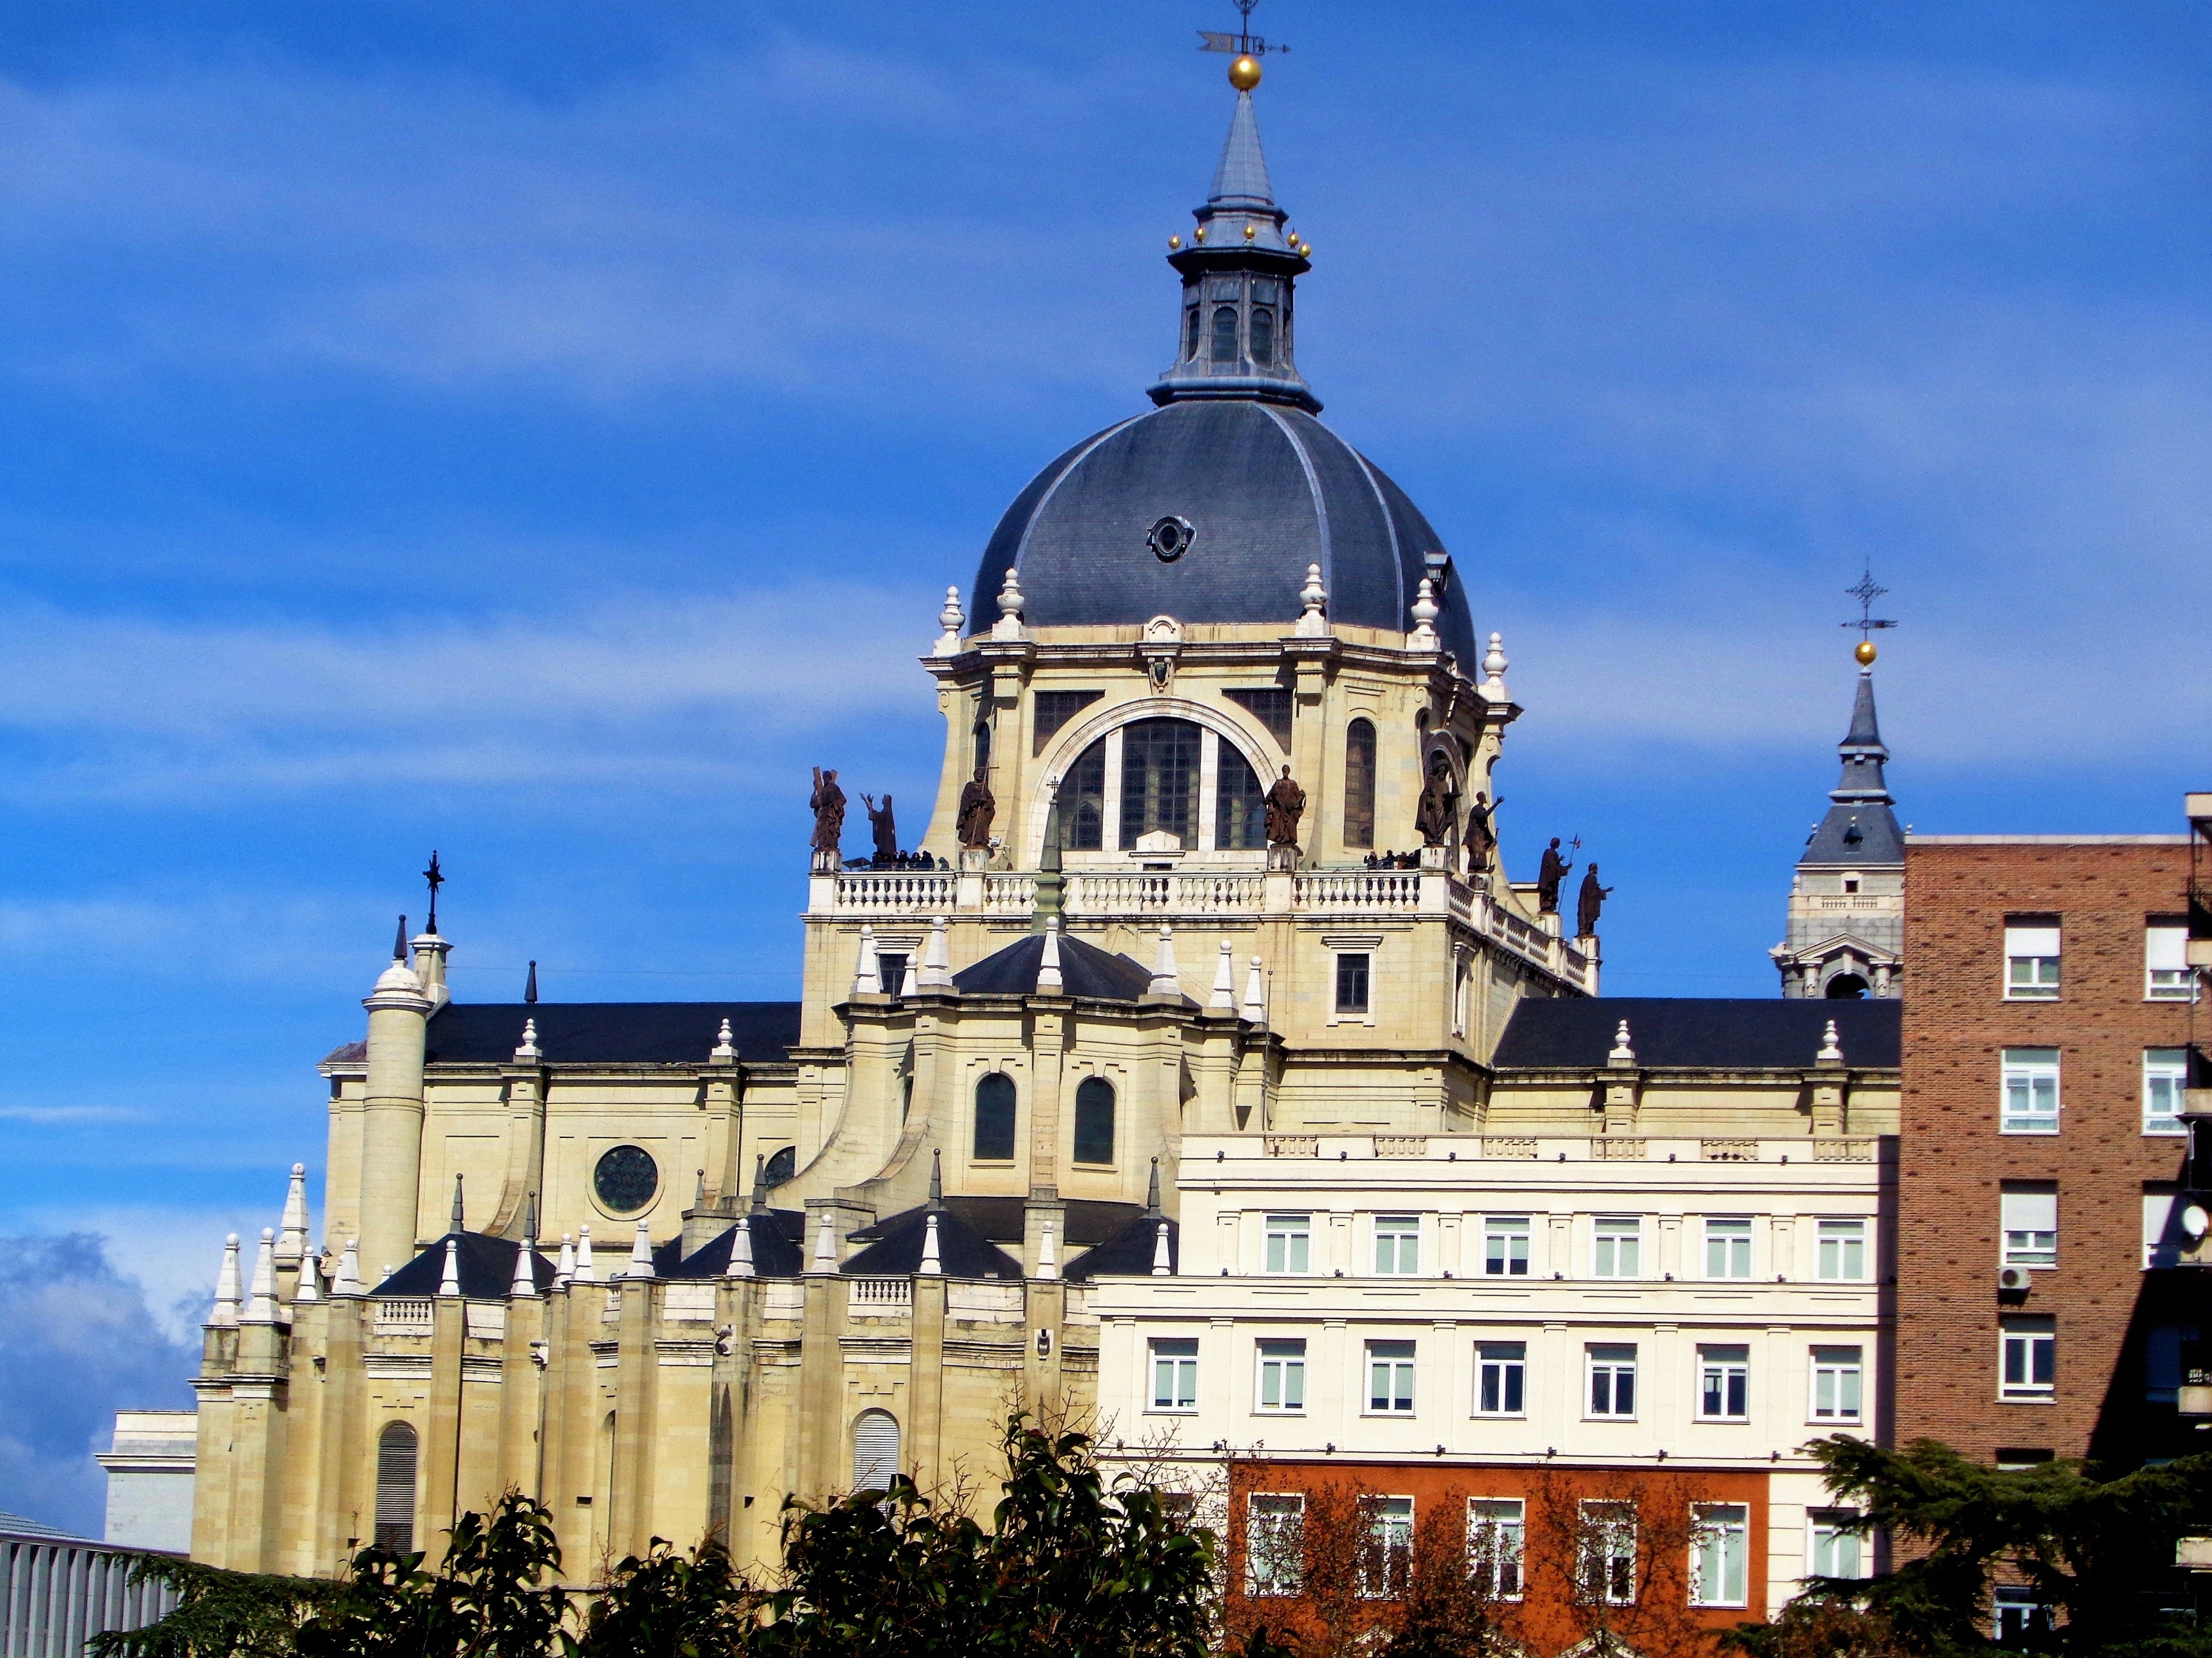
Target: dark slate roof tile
[
  {"x": 1084, "y": 970},
  {"x": 610, "y": 1033},
  {"x": 897, "y": 1249},
  {"x": 778, "y": 1247},
  {"x": 485, "y": 1266},
  {"x": 1128, "y": 1253},
  {"x": 1575, "y": 1033}
]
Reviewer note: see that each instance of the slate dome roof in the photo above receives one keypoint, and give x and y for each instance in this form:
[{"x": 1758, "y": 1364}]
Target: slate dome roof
[{"x": 1267, "y": 490}]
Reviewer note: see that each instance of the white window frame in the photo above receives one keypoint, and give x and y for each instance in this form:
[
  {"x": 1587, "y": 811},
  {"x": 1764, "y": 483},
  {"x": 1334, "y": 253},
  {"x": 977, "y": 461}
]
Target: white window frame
[
  {"x": 2165, "y": 1070},
  {"x": 1720, "y": 1547},
  {"x": 2022, "y": 1071},
  {"x": 1505, "y": 1364},
  {"x": 2166, "y": 975},
  {"x": 1390, "y": 1534},
  {"x": 1725, "y": 1366},
  {"x": 1840, "y": 1242},
  {"x": 1294, "y": 1232},
  {"x": 1615, "y": 1360},
  {"x": 2015, "y": 1612},
  {"x": 1285, "y": 1365},
  {"x": 1506, "y": 1230},
  {"x": 1839, "y": 1374},
  {"x": 1282, "y": 1521},
  {"x": 2023, "y": 1338},
  {"x": 1180, "y": 1355},
  {"x": 1497, "y": 1545},
  {"x": 1605, "y": 1524},
  {"x": 1617, "y": 1241},
  {"x": 1730, "y": 1247},
  {"x": 2035, "y": 958},
  {"x": 1829, "y": 1529},
  {"x": 1402, "y": 1356},
  {"x": 2028, "y": 1230},
  {"x": 1403, "y": 1231}
]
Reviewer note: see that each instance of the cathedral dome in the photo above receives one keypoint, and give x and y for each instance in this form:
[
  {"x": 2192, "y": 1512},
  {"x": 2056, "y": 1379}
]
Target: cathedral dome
[{"x": 1266, "y": 490}]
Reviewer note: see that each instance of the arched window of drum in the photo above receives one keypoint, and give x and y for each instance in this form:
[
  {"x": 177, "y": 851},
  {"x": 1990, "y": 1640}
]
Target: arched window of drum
[
  {"x": 396, "y": 1449},
  {"x": 1359, "y": 784},
  {"x": 1224, "y": 333},
  {"x": 1094, "y": 1121},
  {"x": 1240, "y": 804},
  {"x": 1082, "y": 800},
  {"x": 1192, "y": 328},
  {"x": 875, "y": 1450},
  {"x": 1159, "y": 781},
  {"x": 781, "y": 1166},
  {"x": 994, "y": 1118},
  {"x": 1263, "y": 334},
  {"x": 982, "y": 739}
]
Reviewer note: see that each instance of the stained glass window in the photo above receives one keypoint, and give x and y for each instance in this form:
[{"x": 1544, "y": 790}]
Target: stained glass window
[{"x": 1159, "y": 780}]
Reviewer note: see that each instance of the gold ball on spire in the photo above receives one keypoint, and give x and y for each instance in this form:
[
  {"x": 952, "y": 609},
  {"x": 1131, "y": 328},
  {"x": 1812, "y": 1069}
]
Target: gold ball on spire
[
  {"x": 1244, "y": 74},
  {"x": 1865, "y": 652}
]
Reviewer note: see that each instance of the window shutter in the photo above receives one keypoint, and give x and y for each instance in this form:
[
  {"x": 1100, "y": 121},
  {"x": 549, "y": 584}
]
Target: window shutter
[
  {"x": 2030, "y": 1211},
  {"x": 875, "y": 1450},
  {"x": 2166, "y": 949},
  {"x": 2031, "y": 941},
  {"x": 395, "y": 1488}
]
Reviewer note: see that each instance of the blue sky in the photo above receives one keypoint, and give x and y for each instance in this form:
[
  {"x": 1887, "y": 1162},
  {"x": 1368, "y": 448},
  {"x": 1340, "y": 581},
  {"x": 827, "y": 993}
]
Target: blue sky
[{"x": 542, "y": 433}]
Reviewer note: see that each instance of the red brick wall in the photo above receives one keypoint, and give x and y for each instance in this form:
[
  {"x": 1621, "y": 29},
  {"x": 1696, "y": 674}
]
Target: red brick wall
[{"x": 1953, "y": 1158}]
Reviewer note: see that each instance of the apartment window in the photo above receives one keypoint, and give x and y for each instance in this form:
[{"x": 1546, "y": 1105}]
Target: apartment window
[
  {"x": 2031, "y": 1092},
  {"x": 1723, "y": 1384},
  {"x": 2163, "y": 1240},
  {"x": 2030, "y": 1223},
  {"x": 1351, "y": 981},
  {"x": 1618, "y": 1247},
  {"x": 2165, "y": 1073},
  {"x": 2031, "y": 961},
  {"x": 1501, "y": 1378},
  {"x": 1727, "y": 1249},
  {"x": 1612, "y": 1381},
  {"x": 1174, "y": 1375},
  {"x": 1496, "y": 1539},
  {"x": 1506, "y": 1246},
  {"x": 1290, "y": 1242},
  {"x": 2030, "y": 1358},
  {"x": 1390, "y": 1377},
  {"x": 1838, "y": 1384},
  {"x": 1839, "y": 1251},
  {"x": 2166, "y": 977},
  {"x": 1606, "y": 1555},
  {"x": 1719, "y": 1554},
  {"x": 1282, "y": 1375},
  {"x": 2018, "y": 1616},
  {"x": 1387, "y": 1559},
  {"x": 1835, "y": 1550},
  {"x": 1274, "y": 1543},
  {"x": 1398, "y": 1244}
]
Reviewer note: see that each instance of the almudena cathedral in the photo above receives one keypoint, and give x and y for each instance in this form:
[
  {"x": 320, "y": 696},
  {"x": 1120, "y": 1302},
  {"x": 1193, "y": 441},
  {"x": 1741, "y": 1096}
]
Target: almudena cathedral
[{"x": 1201, "y": 1073}]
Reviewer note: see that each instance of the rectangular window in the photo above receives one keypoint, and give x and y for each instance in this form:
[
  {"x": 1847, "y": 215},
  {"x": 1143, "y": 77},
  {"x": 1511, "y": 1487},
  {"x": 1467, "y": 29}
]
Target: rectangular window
[
  {"x": 1612, "y": 1381},
  {"x": 1838, "y": 1384},
  {"x": 1351, "y": 981},
  {"x": 2018, "y": 1617},
  {"x": 2165, "y": 1073},
  {"x": 1723, "y": 1384},
  {"x": 1496, "y": 1538},
  {"x": 1290, "y": 1242},
  {"x": 1840, "y": 1250},
  {"x": 1506, "y": 1246},
  {"x": 1272, "y": 708},
  {"x": 1835, "y": 1550},
  {"x": 2030, "y": 1223},
  {"x": 1501, "y": 1378},
  {"x": 1617, "y": 1248},
  {"x": 1275, "y": 1544},
  {"x": 1398, "y": 1244},
  {"x": 1055, "y": 709},
  {"x": 1387, "y": 1558},
  {"x": 2031, "y": 1092},
  {"x": 1727, "y": 1249},
  {"x": 891, "y": 971},
  {"x": 1720, "y": 1554},
  {"x": 2166, "y": 977},
  {"x": 1174, "y": 1375},
  {"x": 1390, "y": 1377},
  {"x": 2163, "y": 1240},
  {"x": 1605, "y": 1553},
  {"x": 2029, "y": 1359},
  {"x": 2031, "y": 962},
  {"x": 1282, "y": 1375}
]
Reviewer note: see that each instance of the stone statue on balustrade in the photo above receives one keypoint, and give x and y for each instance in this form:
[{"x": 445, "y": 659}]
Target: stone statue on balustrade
[
  {"x": 828, "y": 804},
  {"x": 1549, "y": 874},
  {"x": 978, "y": 806},
  {"x": 884, "y": 830},
  {"x": 1433, "y": 817},
  {"x": 1286, "y": 803},
  {"x": 1481, "y": 833},
  {"x": 1588, "y": 901}
]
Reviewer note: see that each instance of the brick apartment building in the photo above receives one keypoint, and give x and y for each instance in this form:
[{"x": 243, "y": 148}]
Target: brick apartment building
[{"x": 2047, "y": 1047}]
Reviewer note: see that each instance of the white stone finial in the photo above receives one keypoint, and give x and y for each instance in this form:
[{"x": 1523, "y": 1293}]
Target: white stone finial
[
  {"x": 1622, "y": 1053},
  {"x": 864, "y": 980},
  {"x": 1831, "y": 1047},
  {"x": 1165, "y": 981},
  {"x": 1493, "y": 671},
  {"x": 348, "y": 1282},
  {"x": 564, "y": 1267},
  {"x": 525, "y": 1284},
  {"x": 911, "y": 985},
  {"x": 932, "y": 1262},
  {"x": 1255, "y": 992},
  {"x": 527, "y": 1049},
  {"x": 292, "y": 1233},
  {"x": 261, "y": 1298},
  {"x": 949, "y": 620},
  {"x": 937, "y": 957},
  {"x": 741, "y": 1249},
  {"x": 1049, "y": 981},
  {"x": 1314, "y": 623},
  {"x": 1048, "y": 1265},
  {"x": 308, "y": 1290},
  {"x": 725, "y": 1046},
  {"x": 641, "y": 1254},
  {"x": 586, "y": 1271},
  {"x": 449, "y": 1282},
  {"x": 1425, "y": 612},
  {"x": 1224, "y": 999},
  {"x": 1162, "y": 1267},
  {"x": 825, "y": 1245},
  {"x": 1009, "y": 624}
]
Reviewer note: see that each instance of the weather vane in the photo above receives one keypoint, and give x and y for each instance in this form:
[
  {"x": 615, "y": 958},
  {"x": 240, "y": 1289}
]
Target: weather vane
[
  {"x": 1866, "y": 592},
  {"x": 1243, "y": 43},
  {"x": 436, "y": 880}
]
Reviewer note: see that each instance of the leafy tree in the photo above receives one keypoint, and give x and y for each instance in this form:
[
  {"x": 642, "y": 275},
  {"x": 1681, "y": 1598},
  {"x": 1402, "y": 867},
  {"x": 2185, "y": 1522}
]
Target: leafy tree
[
  {"x": 218, "y": 1614},
  {"x": 670, "y": 1605}
]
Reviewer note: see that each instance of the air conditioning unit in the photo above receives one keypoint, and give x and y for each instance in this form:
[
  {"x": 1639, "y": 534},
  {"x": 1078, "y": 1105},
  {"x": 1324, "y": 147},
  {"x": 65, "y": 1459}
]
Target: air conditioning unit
[{"x": 2012, "y": 1277}]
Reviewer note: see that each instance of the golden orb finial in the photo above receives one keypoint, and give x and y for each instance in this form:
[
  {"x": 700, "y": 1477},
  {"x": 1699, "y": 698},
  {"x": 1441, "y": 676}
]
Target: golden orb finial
[
  {"x": 1244, "y": 73},
  {"x": 1865, "y": 652}
]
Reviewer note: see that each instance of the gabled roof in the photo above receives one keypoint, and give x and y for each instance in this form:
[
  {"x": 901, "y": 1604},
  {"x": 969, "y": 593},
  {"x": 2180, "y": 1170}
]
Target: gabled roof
[
  {"x": 610, "y": 1033},
  {"x": 779, "y": 1239},
  {"x": 1003, "y": 1220},
  {"x": 1084, "y": 970},
  {"x": 1128, "y": 1253},
  {"x": 897, "y": 1249},
  {"x": 486, "y": 1269},
  {"x": 1575, "y": 1033}
]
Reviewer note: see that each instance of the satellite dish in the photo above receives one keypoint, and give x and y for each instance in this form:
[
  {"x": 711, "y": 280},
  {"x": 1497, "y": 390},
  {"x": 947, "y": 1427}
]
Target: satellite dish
[{"x": 2195, "y": 1221}]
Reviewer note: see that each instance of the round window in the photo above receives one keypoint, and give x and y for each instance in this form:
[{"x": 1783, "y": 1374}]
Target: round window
[
  {"x": 626, "y": 1179},
  {"x": 1170, "y": 539}
]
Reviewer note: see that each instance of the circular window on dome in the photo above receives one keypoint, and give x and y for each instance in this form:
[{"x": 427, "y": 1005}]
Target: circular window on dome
[
  {"x": 1170, "y": 539},
  {"x": 625, "y": 1179}
]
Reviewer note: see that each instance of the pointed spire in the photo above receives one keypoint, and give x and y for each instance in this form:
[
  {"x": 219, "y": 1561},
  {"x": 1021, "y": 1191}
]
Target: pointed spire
[
  {"x": 641, "y": 1254},
  {"x": 1224, "y": 999},
  {"x": 292, "y": 1237},
  {"x": 1240, "y": 177},
  {"x": 699, "y": 1192},
  {"x": 1152, "y": 1192},
  {"x": 865, "y": 982},
  {"x": 527, "y": 1049},
  {"x": 932, "y": 1262},
  {"x": 936, "y": 1178},
  {"x": 1163, "y": 1267},
  {"x": 449, "y": 1281},
  {"x": 457, "y": 1225},
  {"x": 949, "y": 620},
  {"x": 1313, "y": 622},
  {"x": 910, "y": 986},
  {"x": 825, "y": 1245},
  {"x": 586, "y": 1272},
  {"x": 1048, "y": 1265},
  {"x": 261, "y": 1299},
  {"x": 1049, "y": 981},
  {"x": 725, "y": 1051},
  {"x": 1862, "y": 752},
  {"x": 525, "y": 1286},
  {"x": 741, "y": 1249},
  {"x": 399, "y": 942},
  {"x": 1493, "y": 672},
  {"x": 348, "y": 1282},
  {"x": 225, "y": 1313},
  {"x": 309, "y": 1289},
  {"x": 530, "y": 986},
  {"x": 1425, "y": 612},
  {"x": 1622, "y": 1053},
  {"x": 1164, "y": 981},
  {"x": 1832, "y": 1047},
  {"x": 1256, "y": 993},
  {"x": 760, "y": 1182},
  {"x": 564, "y": 1269},
  {"x": 936, "y": 958}
]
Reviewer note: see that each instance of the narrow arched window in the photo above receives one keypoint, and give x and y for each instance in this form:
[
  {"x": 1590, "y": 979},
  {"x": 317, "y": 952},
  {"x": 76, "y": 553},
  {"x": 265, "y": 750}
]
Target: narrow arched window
[
  {"x": 396, "y": 1448},
  {"x": 1094, "y": 1121},
  {"x": 875, "y": 1450},
  {"x": 1190, "y": 332},
  {"x": 1240, "y": 805},
  {"x": 994, "y": 1118},
  {"x": 1359, "y": 784},
  {"x": 1082, "y": 800},
  {"x": 1224, "y": 333},
  {"x": 982, "y": 743},
  {"x": 1263, "y": 335},
  {"x": 721, "y": 1457},
  {"x": 781, "y": 1166}
]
